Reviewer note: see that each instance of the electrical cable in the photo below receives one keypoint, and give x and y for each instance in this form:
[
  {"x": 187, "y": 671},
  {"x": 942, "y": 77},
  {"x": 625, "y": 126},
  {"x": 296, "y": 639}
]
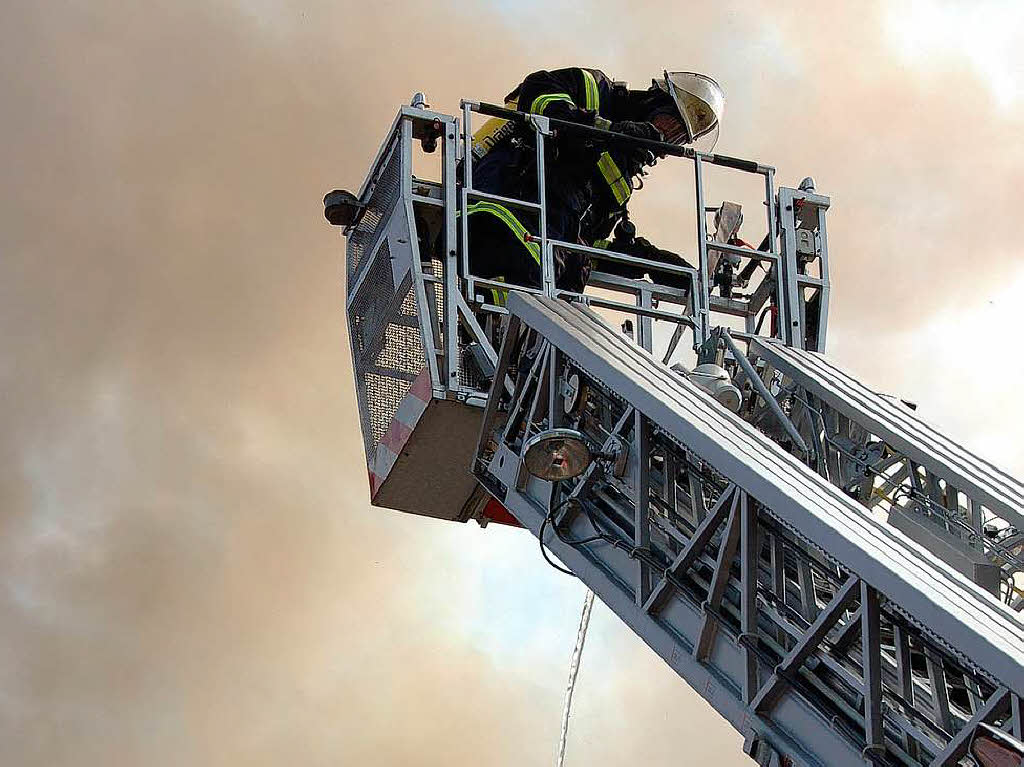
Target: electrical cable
[
  {"x": 544, "y": 552},
  {"x": 633, "y": 552},
  {"x": 600, "y": 534},
  {"x": 549, "y": 520},
  {"x": 760, "y": 320}
]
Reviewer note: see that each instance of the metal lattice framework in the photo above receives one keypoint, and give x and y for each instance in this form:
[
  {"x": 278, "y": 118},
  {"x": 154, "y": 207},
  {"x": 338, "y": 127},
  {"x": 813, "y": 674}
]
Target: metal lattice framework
[
  {"x": 961, "y": 507},
  {"x": 823, "y": 638},
  {"x": 746, "y": 549}
]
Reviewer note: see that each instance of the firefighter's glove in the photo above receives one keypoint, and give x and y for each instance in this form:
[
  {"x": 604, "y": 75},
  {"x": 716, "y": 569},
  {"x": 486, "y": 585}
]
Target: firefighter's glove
[
  {"x": 636, "y": 129},
  {"x": 635, "y": 158},
  {"x": 643, "y": 248}
]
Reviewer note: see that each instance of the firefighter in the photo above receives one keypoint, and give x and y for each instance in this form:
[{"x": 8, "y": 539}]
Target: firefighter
[{"x": 588, "y": 183}]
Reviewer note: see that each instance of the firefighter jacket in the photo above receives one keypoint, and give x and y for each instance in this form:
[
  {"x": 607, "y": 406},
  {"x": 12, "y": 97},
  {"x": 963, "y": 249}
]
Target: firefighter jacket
[{"x": 588, "y": 183}]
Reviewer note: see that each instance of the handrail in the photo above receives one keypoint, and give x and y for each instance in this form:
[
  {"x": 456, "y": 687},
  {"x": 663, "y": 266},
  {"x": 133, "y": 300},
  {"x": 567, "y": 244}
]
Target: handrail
[
  {"x": 612, "y": 137},
  {"x": 688, "y": 288}
]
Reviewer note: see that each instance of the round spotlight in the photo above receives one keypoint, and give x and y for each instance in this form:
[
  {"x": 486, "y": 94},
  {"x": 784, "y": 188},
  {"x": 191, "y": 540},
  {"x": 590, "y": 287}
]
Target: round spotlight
[{"x": 557, "y": 454}]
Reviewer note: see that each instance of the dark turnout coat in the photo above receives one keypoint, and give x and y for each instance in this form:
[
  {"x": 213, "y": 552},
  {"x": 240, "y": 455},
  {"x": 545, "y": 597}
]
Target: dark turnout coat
[{"x": 588, "y": 183}]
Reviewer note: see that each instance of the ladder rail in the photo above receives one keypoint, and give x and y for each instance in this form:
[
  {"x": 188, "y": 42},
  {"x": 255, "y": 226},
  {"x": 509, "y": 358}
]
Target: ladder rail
[
  {"x": 727, "y": 623},
  {"x": 748, "y": 452},
  {"x": 898, "y": 438}
]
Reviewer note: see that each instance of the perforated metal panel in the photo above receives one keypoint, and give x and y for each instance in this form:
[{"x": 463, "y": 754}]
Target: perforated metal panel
[
  {"x": 384, "y": 394},
  {"x": 383, "y": 191},
  {"x": 437, "y": 288},
  {"x": 387, "y": 347}
]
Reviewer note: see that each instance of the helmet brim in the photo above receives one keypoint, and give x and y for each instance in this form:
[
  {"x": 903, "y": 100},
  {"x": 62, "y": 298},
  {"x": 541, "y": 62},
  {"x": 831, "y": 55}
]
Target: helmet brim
[{"x": 700, "y": 103}]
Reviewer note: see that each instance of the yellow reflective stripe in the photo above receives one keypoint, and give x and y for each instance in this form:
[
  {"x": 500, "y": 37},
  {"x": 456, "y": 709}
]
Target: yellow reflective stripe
[
  {"x": 602, "y": 244},
  {"x": 500, "y": 297},
  {"x": 590, "y": 88},
  {"x": 611, "y": 173},
  {"x": 541, "y": 102},
  {"x": 511, "y": 222}
]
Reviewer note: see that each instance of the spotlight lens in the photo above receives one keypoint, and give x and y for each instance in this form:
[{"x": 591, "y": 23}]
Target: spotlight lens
[{"x": 557, "y": 454}]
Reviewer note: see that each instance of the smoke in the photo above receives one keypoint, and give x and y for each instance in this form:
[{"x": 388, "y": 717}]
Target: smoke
[{"x": 191, "y": 570}]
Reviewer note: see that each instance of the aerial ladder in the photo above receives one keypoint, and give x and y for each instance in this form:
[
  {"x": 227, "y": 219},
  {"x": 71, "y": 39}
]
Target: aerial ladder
[{"x": 842, "y": 582}]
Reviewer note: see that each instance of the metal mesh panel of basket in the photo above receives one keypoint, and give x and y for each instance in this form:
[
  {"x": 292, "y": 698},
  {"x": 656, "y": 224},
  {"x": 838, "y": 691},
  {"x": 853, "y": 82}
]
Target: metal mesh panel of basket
[
  {"x": 384, "y": 192},
  {"x": 388, "y": 346},
  {"x": 437, "y": 270},
  {"x": 366, "y": 323},
  {"x": 383, "y": 395},
  {"x": 469, "y": 376},
  {"x": 369, "y": 308},
  {"x": 401, "y": 358}
]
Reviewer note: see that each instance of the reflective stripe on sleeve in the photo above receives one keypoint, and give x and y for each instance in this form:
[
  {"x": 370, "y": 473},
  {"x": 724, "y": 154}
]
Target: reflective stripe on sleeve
[
  {"x": 541, "y": 102},
  {"x": 613, "y": 176},
  {"x": 590, "y": 88}
]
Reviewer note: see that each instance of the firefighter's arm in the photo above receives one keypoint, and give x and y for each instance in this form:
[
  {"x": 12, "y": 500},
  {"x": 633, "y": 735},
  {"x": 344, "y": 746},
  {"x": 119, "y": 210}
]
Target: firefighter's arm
[
  {"x": 561, "y": 94},
  {"x": 626, "y": 241},
  {"x": 642, "y": 248}
]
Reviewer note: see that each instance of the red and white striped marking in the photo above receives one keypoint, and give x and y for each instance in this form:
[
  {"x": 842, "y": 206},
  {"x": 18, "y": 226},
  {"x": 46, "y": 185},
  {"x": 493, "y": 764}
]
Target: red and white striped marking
[{"x": 413, "y": 405}]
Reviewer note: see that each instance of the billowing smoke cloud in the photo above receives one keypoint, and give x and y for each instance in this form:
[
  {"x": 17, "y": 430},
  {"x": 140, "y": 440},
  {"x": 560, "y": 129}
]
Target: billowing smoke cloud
[{"x": 191, "y": 571}]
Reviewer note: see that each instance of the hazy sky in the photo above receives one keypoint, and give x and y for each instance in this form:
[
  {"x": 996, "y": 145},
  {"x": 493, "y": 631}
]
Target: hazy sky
[{"x": 191, "y": 571}]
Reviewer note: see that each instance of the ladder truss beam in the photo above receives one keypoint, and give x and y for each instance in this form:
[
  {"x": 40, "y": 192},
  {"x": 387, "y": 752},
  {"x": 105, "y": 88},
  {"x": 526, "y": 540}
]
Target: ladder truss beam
[{"x": 817, "y": 631}]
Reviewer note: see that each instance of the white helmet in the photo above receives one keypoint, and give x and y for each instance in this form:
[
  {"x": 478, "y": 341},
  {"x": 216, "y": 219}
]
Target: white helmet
[{"x": 700, "y": 102}]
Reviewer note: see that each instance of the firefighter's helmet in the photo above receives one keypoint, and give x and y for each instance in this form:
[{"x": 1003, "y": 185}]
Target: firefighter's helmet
[{"x": 700, "y": 102}]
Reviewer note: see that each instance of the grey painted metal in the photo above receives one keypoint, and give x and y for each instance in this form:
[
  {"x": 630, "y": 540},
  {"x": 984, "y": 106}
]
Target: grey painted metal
[
  {"x": 709, "y": 681},
  {"x": 476, "y": 194},
  {"x": 739, "y": 250},
  {"x": 792, "y": 334},
  {"x": 715, "y": 687},
  {"x": 902, "y": 428},
  {"x": 703, "y": 278},
  {"x": 547, "y": 261},
  {"x": 424, "y": 309},
  {"x": 724, "y": 625},
  {"x": 719, "y": 581},
  {"x": 768, "y": 696},
  {"x": 907, "y": 468},
  {"x": 701, "y": 537},
  {"x": 802, "y": 211},
  {"x": 641, "y": 504},
  {"x": 450, "y": 377},
  {"x": 941, "y": 600},
  {"x": 729, "y": 629},
  {"x": 750, "y": 549},
  {"x": 958, "y": 746},
  {"x": 761, "y": 389},
  {"x": 826, "y": 288},
  {"x": 871, "y": 659}
]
